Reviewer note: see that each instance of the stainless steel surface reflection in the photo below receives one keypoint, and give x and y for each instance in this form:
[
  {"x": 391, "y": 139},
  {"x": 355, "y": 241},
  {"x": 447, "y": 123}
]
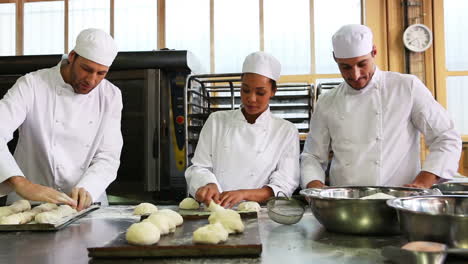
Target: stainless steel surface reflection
[
  {"x": 340, "y": 209},
  {"x": 434, "y": 218},
  {"x": 452, "y": 188}
]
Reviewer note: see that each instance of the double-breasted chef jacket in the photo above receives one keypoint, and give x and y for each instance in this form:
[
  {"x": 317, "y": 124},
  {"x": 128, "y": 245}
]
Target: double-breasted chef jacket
[
  {"x": 235, "y": 154},
  {"x": 374, "y": 134},
  {"x": 66, "y": 139}
]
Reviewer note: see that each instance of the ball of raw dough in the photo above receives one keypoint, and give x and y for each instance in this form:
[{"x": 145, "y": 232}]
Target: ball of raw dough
[
  {"x": 189, "y": 204},
  {"x": 175, "y": 217},
  {"x": 20, "y": 206},
  {"x": 230, "y": 219},
  {"x": 48, "y": 217},
  {"x": 143, "y": 233},
  {"x": 249, "y": 206},
  {"x": 210, "y": 234},
  {"x": 6, "y": 210},
  {"x": 162, "y": 222},
  {"x": 145, "y": 208},
  {"x": 13, "y": 219}
]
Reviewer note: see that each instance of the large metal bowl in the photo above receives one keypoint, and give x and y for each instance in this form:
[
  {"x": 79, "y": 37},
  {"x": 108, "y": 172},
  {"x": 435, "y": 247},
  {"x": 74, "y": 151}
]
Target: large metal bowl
[
  {"x": 434, "y": 218},
  {"x": 452, "y": 188},
  {"x": 340, "y": 209}
]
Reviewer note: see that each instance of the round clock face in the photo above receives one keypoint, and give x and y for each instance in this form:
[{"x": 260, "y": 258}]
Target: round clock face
[{"x": 417, "y": 38}]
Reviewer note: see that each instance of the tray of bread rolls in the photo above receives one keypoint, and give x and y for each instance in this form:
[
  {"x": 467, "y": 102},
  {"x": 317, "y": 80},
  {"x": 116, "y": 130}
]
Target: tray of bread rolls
[
  {"x": 21, "y": 216},
  {"x": 168, "y": 233}
]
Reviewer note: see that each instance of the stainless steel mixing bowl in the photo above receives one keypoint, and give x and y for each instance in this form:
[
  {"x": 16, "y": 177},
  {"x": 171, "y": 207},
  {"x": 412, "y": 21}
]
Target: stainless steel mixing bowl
[
  {"x": 340, "y": 209},
  {"x": 434, "y": 218},
  {"x": 452, "y": 188}
]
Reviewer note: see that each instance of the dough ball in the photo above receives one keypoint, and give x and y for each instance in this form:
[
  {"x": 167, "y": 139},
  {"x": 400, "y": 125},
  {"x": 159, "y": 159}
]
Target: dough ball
[
  {"x": 162, "y": 222},
  {"x": 210, "y": 234},
  {"x": 175, "y": 216},
  {"x": 48, "y": 217},
  {"x": 249, "y": 206},
  {"x": 230, "y": 219},
  {"x": 145, "y": 208},
  {"x": 424, "y": 246},
  {"x": 65, "y": 210},
  {"x": 13, "y": 219},
  {"x": 20, "y": 206},
  {"x": 213, "y": 207},
  {"x": 143, "y": 233},
  {"x": 189, "y": 204},
  {"x": 6, "y": 210},
  {"x": 45, "y": 207}
]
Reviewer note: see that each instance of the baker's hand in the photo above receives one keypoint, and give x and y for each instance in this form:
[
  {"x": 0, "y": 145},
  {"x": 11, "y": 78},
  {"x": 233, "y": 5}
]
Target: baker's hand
[
  {"x": 207, "y": 193},
  {"x": 231, "y": 198},
  {"x": 37, "y": 192},
  {"x": 424, "y": 179},
  {"x": 315, "y": 184},
  {"x": 82, "y": 197}
]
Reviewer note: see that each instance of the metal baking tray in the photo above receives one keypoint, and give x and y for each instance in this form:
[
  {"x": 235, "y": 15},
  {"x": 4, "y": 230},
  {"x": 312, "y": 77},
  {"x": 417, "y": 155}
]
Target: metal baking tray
[{"x": 33, "y": 226}]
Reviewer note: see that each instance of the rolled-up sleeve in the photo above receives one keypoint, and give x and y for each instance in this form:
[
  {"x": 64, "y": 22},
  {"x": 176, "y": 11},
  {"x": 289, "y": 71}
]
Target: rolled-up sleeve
[
  {"x": 200, "y": 173},
  {"x": 439, "y": 132},
  {"x": 316, "y": 149}
]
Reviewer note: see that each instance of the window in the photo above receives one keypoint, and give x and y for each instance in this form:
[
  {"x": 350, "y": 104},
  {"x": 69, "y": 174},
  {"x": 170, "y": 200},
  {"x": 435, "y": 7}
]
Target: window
[
  {"x": 451, "y": 55},
  {"x": 236, "y": 33},
  {"x": 327, "y": 20},
  {"x": 188, "y": 28},
  {"x": 287, "y": 34},
  {"x": 8, "y": 29},
  {"x": 44, "y": 27},
  {"x": 136, "y": 25},
  {"x": 456, "y": 38},
  {"x": 87, "y": 14}
]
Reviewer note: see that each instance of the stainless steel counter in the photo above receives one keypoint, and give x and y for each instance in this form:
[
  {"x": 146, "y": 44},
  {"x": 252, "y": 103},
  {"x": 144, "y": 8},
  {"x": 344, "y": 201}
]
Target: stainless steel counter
[{"x": 306, "y": 241}]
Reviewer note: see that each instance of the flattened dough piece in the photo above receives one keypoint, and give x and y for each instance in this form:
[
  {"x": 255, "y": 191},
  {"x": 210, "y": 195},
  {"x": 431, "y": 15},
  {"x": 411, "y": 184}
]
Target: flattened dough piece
[
  {"x": 189, "y": 204},
  {"x": 16, "y": 207},
  {"x": 249, "y": 206},
  {"x": 144, "y": 233},
  {"x": 230, "y": 219},
  {"x": 210, "y": 234},
  {"x": 26, "y": 217},
  {"x": 55, "y": 215},
  {"x": 213, "y": 207},
  {"x": 145, "y": 208}
]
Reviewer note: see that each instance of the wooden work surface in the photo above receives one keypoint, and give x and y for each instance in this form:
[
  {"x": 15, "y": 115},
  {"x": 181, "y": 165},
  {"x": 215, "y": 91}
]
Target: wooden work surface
[{"x": 180, "y": 242}]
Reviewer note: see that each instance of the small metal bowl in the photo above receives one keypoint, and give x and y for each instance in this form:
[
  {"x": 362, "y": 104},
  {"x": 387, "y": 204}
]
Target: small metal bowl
[
  {"x": 452, "y": 188},
  {"x": 284, "y": 210},
  {"x": 340, "y": 209},
  {"x": 438, "y": 218}
]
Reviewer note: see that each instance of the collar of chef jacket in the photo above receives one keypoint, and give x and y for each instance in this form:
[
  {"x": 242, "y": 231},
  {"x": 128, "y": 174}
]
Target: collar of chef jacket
[
  {"x": 262, "y": 120},
  {"x": 61, "y": 82},
  {"x": 374, "y": 83}
]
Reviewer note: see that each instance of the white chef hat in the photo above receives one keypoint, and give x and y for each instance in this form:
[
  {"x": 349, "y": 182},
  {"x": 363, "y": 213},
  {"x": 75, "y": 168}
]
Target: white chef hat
[
  {"x": 352, "y": 41},
  {"x": 262, "y": 63},
  {"x": 96, "y": 45}
]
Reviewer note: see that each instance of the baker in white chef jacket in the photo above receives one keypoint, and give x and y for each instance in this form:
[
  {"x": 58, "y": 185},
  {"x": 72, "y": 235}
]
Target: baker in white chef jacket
[
  {"x": 69, "y": 128},
  {"x": 372, "y": 123},
  {"x": 248, "y": 153}
]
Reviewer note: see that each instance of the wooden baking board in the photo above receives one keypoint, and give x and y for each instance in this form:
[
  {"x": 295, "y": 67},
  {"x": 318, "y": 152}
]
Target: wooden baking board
[
  {"x": 33, "y": 226},
  {"x": 179, "y": 244}
]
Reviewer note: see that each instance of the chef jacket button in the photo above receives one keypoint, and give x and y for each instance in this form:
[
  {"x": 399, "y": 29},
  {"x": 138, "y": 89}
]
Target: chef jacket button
[
  {"x": 377, "y": 113},
  {"x": 347, "y": 164},
  {"x": 378, "y": 138},
  {"x": 90, "y": 122},
  {"x": 56, "y": 121},
  {"x": 87, "y": 145},
  {"x": 342, "y": 117},
  {"x": 377, "y": 162}
]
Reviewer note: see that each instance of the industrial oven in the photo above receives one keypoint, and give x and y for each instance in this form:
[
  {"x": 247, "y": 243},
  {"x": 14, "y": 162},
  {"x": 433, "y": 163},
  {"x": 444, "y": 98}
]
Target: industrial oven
[{"x": 152, "y": 84}]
